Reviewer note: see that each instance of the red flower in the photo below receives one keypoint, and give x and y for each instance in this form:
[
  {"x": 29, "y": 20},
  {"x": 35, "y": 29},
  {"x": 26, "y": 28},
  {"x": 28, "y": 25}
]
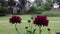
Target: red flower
[
  {"x": 15, "y": 19},
  {"x": 41, "y": 20}
]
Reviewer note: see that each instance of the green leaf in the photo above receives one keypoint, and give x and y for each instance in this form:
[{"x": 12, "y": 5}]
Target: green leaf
[
  {"x": 34, "y": 31},
  {"x": 30, "y": 32}
]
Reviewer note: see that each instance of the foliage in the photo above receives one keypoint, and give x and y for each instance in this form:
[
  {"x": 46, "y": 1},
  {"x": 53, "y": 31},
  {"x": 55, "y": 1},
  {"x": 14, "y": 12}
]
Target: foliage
[
  {"x": 31, "y": 32},
  {"x": 33, "y": 9},
  {"x": 3, "y": 8},
  {"x": 11, "y": 3},
  {"x": 51, "y": 13},
  {"x": 3, "y": 11},
  {"x": 38, "y": 2},
  {"x": 37, "y": 9},
  {"x": 22, "y": 6},
  {"x": 48, "y": 6},
  {"x": 58, "y": 2},
  {"x": 41, "y": 8},
  {"x": 44, "y": 7}
]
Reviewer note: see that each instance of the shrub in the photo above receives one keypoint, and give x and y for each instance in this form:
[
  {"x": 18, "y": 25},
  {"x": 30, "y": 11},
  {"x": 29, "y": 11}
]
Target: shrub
[{"x": 51, "y": 13}]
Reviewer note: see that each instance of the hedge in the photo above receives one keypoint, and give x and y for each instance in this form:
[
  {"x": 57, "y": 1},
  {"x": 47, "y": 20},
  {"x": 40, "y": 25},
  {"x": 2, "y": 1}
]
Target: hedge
[{"x": 51, "y": 13}]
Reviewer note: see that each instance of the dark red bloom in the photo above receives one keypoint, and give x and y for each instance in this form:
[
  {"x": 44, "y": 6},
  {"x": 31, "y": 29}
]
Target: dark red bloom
[
  {"x": 41, "y": 20},
  {"x": 15, "y": 19}
]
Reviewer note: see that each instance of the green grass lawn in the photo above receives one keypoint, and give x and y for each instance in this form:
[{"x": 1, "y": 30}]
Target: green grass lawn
[{"x": 8, "y": 28}]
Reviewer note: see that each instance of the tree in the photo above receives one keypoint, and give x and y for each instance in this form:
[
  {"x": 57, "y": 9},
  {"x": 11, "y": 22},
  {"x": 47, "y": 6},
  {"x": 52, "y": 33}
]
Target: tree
[
  {"x": 22, "y": 6},
  {"x": 48, "y": 6},
  {"x": 33, "y": 9},
  {"x": 2, "y": 2},
  {"x": 3, "y": 8},
  {"x": 58, "y": 2},
  {"x": 38, "y": 2},
  {"x": 11, "y": 3}
]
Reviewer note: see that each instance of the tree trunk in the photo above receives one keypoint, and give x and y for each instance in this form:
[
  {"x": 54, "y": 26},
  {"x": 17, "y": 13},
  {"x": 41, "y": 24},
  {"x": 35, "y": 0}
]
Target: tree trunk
[
  {"x": 14, "y": 10},
  {"x": 59, "y": 5},
  {"x": 22, "y": 9},
  {"x": 11, "y": 10}
]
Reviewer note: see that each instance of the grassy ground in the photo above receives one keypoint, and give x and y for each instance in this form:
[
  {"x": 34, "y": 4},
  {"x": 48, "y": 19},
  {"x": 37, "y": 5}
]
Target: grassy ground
[{"x": 8, "y": 28}]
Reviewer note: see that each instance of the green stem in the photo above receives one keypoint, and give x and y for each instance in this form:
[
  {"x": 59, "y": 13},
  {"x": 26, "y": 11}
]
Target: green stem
[
  {"x": 49, "y": 32},
  {"x": 39, "y": 29},
  {"x": 17, "y": 29},
  {"x": 29, "y": 26}
]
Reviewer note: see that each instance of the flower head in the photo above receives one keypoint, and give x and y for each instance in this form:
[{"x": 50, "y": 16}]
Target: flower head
[
  {"x": 29, "y": 21},
  {"x": 48, "y": 29},
  {"x": 31, "y": 17},
  {"x": 41, "y": 20},
  {"x": 26, "y": 27},
  {"x": 15, "y": 19}
]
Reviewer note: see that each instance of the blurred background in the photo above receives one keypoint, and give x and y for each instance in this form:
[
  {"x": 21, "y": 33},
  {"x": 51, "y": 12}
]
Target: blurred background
[{"x": 27, "y": 9}]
